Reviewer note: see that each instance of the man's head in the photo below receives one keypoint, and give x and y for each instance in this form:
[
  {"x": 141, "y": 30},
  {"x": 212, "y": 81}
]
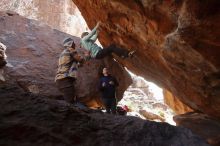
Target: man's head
[
  {"x": 105, "y": 71},
  {"x": 69, "y": 44},
  {"x": 84, "y": 34}
]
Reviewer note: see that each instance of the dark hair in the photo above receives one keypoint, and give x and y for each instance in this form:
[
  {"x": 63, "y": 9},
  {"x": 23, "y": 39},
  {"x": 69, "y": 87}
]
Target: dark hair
[{"x": 100, "y": 72}]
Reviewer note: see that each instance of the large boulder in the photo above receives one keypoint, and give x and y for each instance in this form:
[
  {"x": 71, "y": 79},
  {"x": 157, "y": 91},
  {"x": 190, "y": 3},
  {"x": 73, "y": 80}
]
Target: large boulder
[
  {"x": 151, "y": 116},
  {"x": 35, "y": 120},
  {"x": 33, "y": 49},
  {"x": 59, "y": 14},
  {"x": 201, "y": 124},
  {"x": 177, "y": 43}
]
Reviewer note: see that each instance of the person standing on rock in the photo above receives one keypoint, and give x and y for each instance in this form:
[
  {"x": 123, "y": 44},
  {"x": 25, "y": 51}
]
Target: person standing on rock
[
  {"x": 2, "y": 55},
  {"x": 3, "y": 61},
  {"x": 107, "y": 86},
  {"x": 95, "y": 51},
  {"x": 67, "y": 70}
]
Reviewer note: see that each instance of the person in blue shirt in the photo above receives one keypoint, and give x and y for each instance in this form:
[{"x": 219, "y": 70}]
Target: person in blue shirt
[
  {"x": 107, "y": 86},
  {"x": 95, "y": 51}
]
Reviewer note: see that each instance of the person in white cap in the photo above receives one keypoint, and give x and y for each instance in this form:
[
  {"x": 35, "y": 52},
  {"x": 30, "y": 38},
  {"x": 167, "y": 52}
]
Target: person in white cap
[{"x": 67, "y": 70}]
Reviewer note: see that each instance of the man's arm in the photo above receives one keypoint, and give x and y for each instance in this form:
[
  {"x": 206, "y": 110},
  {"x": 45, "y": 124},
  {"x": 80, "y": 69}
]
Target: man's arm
[
  {"x": 78, "y": 58},
  {"x": 101, "y": 87},
  {"x": 95, "y": 36},
  {"x": 93, "y": 32}
]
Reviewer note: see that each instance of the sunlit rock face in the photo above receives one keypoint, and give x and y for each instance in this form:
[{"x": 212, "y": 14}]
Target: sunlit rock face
[
  {"x": 177, "y": 43},
  {"x": 33, "y": 49},
  {"x": 175, "y": 104},
  {"x": 59, "y": 14}
]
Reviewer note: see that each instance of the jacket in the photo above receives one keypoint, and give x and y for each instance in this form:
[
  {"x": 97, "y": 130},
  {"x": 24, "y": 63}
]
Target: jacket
[
  {"x": 67, "y": 64},
  {"x": 108, "y": 91}
]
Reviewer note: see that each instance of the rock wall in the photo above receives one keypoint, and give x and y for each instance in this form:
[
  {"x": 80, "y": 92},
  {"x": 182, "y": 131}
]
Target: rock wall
[
  {"x": 175, "y": 104},
  {"x": 36, "y": 120},
  {"x": 59, "y": 14},
  {"x": 177, "y": 43},
  {"x": 33, "y": 49},
  {"x": 202, "y": 125}
]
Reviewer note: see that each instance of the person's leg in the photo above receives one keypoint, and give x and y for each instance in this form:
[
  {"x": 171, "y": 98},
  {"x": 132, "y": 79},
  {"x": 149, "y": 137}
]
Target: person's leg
[
  {"x": 68, "y": 94},
  {"x": 112, "y": 49},
  {"x": 113, "y": 106},
  {"x": 103, "y": 53},
  {"x": 121, "y": 52},
  {"x": 66, "y": 86},
  {"x": 107, "y": 105}
]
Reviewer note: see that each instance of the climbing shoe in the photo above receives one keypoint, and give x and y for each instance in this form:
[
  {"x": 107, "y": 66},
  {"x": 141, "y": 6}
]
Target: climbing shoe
[{"x": 131, "y": 53}]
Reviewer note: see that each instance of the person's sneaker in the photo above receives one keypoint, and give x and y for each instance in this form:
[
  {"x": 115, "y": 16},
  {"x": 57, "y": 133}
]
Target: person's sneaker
[{"x": 131, "y": 53}]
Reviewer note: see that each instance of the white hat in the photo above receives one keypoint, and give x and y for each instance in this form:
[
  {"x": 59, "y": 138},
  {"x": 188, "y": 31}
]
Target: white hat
[{"x": 68, "y": 42}]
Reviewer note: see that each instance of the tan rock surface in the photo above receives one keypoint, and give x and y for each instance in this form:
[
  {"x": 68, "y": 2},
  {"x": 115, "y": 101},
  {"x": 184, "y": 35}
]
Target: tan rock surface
[
  {"x": 175, "y": 104},
  {"x": 33, "y": 49},
  {"x": 59, "y": 14},
  {"x": 151, "y": 116},
  {"x": 177, "y": 44}
]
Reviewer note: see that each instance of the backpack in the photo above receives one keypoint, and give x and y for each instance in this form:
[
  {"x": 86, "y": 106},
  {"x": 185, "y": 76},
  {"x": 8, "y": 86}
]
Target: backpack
[{"x": 121, "y": 111}]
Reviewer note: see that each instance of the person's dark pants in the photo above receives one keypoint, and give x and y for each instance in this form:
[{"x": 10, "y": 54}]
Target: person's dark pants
[
  {"x": 112, "y": 49},
  {"x": 110, "y": 105},
  {"x": 66, "y": 87}
]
